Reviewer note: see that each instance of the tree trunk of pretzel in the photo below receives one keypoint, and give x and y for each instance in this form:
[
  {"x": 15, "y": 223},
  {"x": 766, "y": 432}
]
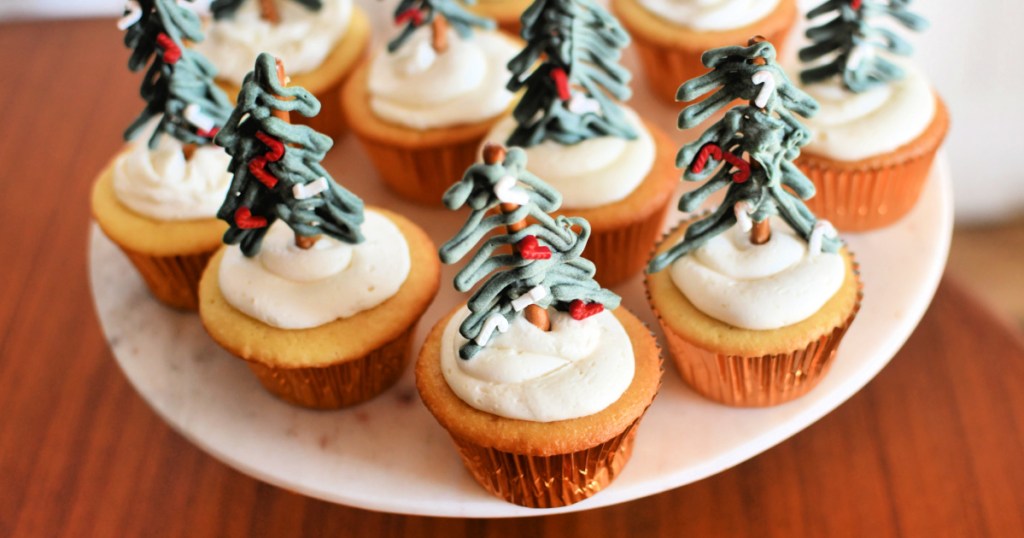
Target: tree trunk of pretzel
[
  {"x": 304, "y": 242},
  {"x": 439, "y": 33},
  {"x": 535, "y": 314},
  {"x": 761, "y": 232},
  {"x": 268, "y": 11}
]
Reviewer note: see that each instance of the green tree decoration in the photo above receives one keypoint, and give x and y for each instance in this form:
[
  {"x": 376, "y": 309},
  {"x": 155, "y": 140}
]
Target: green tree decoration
[
  {"x": 179, "y": 85},
  {"x": 439, "y": 14},
  {"x": 570, "y": 69},
  {"x": 276, "y": 167},
  {"x": 530, "y": 260},
  {"x": 766, "y": 131},
  {"x": 850, "y": 38},
  {"x": 223, "y": 9}
]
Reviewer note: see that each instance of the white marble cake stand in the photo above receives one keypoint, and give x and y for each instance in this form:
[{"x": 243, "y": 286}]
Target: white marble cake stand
[{"x": 390, "y": 455}]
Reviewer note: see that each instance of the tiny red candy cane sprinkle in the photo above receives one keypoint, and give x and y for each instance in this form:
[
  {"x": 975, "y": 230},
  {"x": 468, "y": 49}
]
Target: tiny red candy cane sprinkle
[
  {"x": 208, "y": 134},
  {"x": 257, "y": 167},
  {"x": 172, "y": 53},
  {"x": 855, "y": 4},
  {"x": 245, "y": 220},
  {"x": 561, "y": 83},
  {"x": 743, "y": 173},
  {"x": 276, "y": 147},
  {"x": 701, "y": 160},
  {"x": 412, "y": 13}
]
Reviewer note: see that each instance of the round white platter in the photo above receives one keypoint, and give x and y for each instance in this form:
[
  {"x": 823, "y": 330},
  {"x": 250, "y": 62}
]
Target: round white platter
[{"x": 390, "y": 455}]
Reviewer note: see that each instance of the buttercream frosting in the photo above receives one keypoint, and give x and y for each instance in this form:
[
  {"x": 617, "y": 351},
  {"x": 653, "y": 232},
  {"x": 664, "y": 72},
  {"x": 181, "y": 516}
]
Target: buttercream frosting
[
  {"x": 576, "y": 369},
  {"x": 852, "y": 126},
  {"x": 161, "y": 184},
  {"x": 711, "y": 15},
  {"x": 420, "y": 89},
  {"x": 758, "y": 287},
  {"x": 594, "y": 172},
  {"x": 288, "y": 287},
  {"x": 302, "y": 39}
]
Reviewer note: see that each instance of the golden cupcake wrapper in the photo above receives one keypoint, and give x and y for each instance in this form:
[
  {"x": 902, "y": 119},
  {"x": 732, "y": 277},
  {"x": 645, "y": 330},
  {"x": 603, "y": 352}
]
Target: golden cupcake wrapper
[
  {"x": 758, "y": 381},
  {"x": 548, "y": 481},
  {"x": 339, "y": 385},
  {"x": 173, "y": 280},
  {"x": 621, "y": 253},
  {"x": 422, "y": 174}
]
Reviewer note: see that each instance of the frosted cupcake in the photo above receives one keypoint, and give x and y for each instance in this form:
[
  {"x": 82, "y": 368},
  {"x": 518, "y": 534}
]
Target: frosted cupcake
[
  {"x": 541, "y": 379},
  {"x": 755, "y": 296},
  {"x": 613, "y": 168},
  {"x": 318, "y": 296},
  {"x": 321, "y": 42},
  {"x": 158, "y": 198},
  {"x": 422, "y": 107},
  {"x": 671, "y": 35},
  {"x": 881, "y": 122}
]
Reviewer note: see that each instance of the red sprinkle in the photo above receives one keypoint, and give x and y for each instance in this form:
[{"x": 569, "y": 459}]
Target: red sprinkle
[
  {"x": 855, "y": 4},
  {"x": 581, "y": 310},
  {"x": 275, "y": 145},
  {"x": 714, "y": 150},
  {"x": 257, "y": 167},
  {"x": 561, "y": 83},
  {"x": 531, "y": 249},
  {"x": 208, "y": 134},
  {"x": 245, "y": 220},
  {"x": 172, "y": 53},
  {"x": 414, "y": 14}
]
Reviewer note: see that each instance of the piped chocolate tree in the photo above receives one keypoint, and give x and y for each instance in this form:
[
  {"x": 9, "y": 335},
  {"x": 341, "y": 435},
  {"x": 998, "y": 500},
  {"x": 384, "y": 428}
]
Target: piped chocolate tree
[
  {"x": 529, "y": 261},
  {"x": 749, "y": 152},
  {"x": 179, "y": 85},
  {"x": 849, "y": 40},
  {"x": 276, "y": 167},
  {"x": 570, "y": 69},
  {"x": 439, "y": 15},
  {"x": 268, "y": 8}
]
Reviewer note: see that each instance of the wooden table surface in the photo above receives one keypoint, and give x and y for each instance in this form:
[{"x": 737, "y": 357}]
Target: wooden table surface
[{"x": 932, "y": 447}]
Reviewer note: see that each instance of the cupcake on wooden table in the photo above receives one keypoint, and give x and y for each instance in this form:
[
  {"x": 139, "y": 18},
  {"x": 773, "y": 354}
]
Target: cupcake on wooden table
[
  {"x": 318, "y": 296},
  {"x": 755, "y": 296},
  {"x": 881, "y": 122},
  {"x": 321, "y": 42},
  {"x": 541, "y": 379},
  {"x": 671, "y": 35},
  {"x": 158, "y": 198},
  {"x": 422, "y": 107},
  {"x": 613, "y": 168}
]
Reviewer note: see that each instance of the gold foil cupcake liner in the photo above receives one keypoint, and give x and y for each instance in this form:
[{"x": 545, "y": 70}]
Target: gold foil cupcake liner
[
  {"x": 173, "y": 280},
  {"x": 548, "y": 481},
  {"x": 339, "y": 385}
]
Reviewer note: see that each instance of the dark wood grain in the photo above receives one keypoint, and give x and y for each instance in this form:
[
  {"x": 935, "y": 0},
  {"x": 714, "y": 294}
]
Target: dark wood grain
[{"x": 931, "y": 447}]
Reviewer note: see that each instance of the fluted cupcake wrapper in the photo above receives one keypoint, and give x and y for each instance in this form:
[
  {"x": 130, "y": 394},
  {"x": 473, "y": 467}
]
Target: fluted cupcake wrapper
[
  {"x": 758, "y": 381},
  {"x": 621, "y": 253},
  {"x": 422, "y": 175},
  {"x": 548, "y": 481},
  {"x": 173, "y": 280},
  {"x": 338, "y": 385}
]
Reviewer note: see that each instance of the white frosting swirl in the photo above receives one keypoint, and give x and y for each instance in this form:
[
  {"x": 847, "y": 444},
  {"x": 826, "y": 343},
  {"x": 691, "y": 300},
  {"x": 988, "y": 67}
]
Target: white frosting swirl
[
  {"x": 594, "y": 172},
  {"x": 576, "y": 369},
  {"x": 163, "y": 185},
  {"x": 713, "y": 15},
  {"x": 854, "y": 126},
  {"x": 420, "y": 89},
  {"x": 758, "y": 287},
  {"x": 290, "y": 288},
  {"x": 302, "y": 39}
]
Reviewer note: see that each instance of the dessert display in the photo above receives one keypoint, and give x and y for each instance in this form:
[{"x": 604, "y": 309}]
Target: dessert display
[
  {"x": 321, "y": 42},
  {"x": 158, "y": 198},
  {"x": 880, "y": 123},
  {"x": 422, "y": 107},
  {"x": 541, "y": 378},
  {"x": 613, "y": 168},
  {"x": 671, "y": 35},
  {"x": 755, "y": 296},
  {"x": 316, "y": 294}
]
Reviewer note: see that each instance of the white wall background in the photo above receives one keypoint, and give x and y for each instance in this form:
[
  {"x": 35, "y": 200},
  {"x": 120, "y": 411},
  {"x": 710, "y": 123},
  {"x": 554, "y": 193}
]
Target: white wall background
[{"x": 970, "y": 52}]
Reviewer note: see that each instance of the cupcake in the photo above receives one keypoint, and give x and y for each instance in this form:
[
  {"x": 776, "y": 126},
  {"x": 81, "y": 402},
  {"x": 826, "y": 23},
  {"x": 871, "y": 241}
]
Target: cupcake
[
  {"x": 613, "y": 168},
  {"x": 755, "y": 296},
  {"x": 671, "y": 35},
  {"x": 422, "y": 107},
  {"x": 319, "y": 296},
  {"x": 158, "y": 198},
  {"x": 321, "y": 42},
  {"x": 880, "y": 123},
  {"x": 541, "y": 378},
  {"x": 505, "y": 13}
]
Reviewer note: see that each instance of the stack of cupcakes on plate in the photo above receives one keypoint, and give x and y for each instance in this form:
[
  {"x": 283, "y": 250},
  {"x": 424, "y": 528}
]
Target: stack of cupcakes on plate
[
  {"x": 422, "y": 107},
  {"x": 541, "y": 379},
  {"x": 158, "y": 198},
  {"x": 754, "y": 297},
  {"x": 321, "y": 42},
  {"x": 881, "y": 122},
  {"x": 319, "y": 296},
  {"x": 613, "y": 168}
]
